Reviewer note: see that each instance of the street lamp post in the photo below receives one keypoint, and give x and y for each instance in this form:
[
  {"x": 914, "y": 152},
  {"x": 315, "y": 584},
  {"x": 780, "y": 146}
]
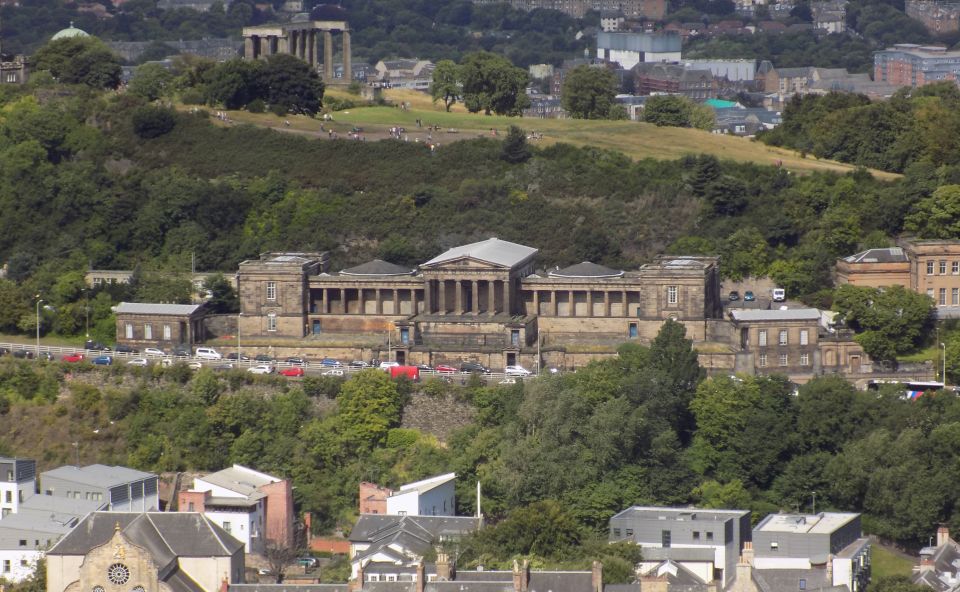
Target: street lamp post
[
  {"x": 39, "y": 302},
  {"x": 944, "y": 347}
]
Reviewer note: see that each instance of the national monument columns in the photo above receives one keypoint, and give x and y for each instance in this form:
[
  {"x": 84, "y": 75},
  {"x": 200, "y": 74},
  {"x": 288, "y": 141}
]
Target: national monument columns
[{"x": 300, "y": 40}]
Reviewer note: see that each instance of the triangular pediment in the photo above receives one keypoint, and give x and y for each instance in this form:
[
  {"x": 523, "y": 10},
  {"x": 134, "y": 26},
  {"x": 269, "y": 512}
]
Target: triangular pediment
[{"x": 466, "y": 262}]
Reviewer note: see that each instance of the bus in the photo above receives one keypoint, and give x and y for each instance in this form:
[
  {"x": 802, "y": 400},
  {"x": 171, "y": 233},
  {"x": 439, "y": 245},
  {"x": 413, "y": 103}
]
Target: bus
[{"x": 913, "y": 389}]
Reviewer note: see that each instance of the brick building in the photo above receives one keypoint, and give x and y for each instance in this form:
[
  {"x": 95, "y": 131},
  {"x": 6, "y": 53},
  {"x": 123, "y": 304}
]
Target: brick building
[
  {"x": 695, "y": 84},
  {"x": 373, "y": 498},
  {"x": 907, "y": 64},
  {"x": 631, "y": 9}
]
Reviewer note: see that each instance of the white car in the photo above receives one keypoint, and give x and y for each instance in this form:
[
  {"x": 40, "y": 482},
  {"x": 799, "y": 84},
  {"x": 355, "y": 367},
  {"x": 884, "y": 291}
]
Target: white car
[
  {"x": 334, "y": 372},
  {"x": 208, "y": 353},
  {"x": 138, "y": 362},
  {"x": 152, "y": 351},
  {"x": 388, "y": 365},
  {"x": 516, "y": 371},
  {"x": 509, "y": 380},
  {"x": 195, "y": 365},
  {"x": 261, "y": 369}
]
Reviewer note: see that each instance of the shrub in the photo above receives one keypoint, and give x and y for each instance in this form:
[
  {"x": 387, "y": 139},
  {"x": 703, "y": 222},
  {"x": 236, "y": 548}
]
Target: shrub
[
  {"x": 335, "y": 104},
  {"x": 279, "y": 110},
  {"x": 256, "y": 106},
  {"x": 192, "y": 96},
  {"x": 151, "y": 122}
]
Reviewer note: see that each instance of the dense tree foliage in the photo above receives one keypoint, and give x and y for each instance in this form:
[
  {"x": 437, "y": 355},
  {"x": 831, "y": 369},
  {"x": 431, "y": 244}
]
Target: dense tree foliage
[
  {"x": 887, "y": 322},
  {"x": 492, "y": 84},
  {"x": 677, "y": 111},
  {"x": 79, "y": 60},
  {"x": 588, "y": 93}
]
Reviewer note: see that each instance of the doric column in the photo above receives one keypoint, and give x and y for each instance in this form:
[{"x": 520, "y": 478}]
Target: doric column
[
  {"x": 507, "y": 293},
  {"x": 396, "y": 301},
  {"x": 443, "y": 296},
  {"x": 589, "y": 303},
  {"x": 554, "y": 303},
  {"x": 347, "y": 59},
  {"x": 606, "y": 303},
  {"x": 491, "y": 297},
  {"x": 361, "y": 302},
  {"x": 312, "y": 48},
  {"x": 626, "y": 309},
  {"x": 413, "y": 301},
  {"x": 458, "y": 294},
  {"x": 327, "y": 56},
  {"x": 324, "y": 300},
  {"x": 343, "y": 300},
  {"x": 475, "y": 297},
  {"x": 536, "y": 302},
  {"x": 264, "y": 43},
  {"x": 248, "y": 48},
  {"x": 283, "y": 44},
  {"x": 379, "y": 296},
  {"x": 427, "y": 297},
  {"x": 573, "y": 305},
  {"x": 302, "y": 37}
]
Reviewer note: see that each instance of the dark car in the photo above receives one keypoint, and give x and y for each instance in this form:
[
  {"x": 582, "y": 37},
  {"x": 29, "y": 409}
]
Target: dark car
[
  {"x": 296, "y": 361},
  {"x": 46, "y": 356},
  {"x": 263, "y": 358},
  {"x": 233, "y": 356},
  {"x": 182, "y": 351},
  {"x": 223, "y": 367},
  {"x": 471, "y": 367},
  {"x": 734, "y": 296},
  {"x": 748, "y": 296},
  {"x": 92, "y": 345},
  {"x": 103, "y": 360},
  {"x": 125, "y": 349},
  {"x": 23, "y": 354}
]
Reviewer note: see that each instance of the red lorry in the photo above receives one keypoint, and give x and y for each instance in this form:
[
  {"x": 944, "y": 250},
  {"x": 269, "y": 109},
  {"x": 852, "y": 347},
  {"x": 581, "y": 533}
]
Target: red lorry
[{"x": 411, "y": 372}]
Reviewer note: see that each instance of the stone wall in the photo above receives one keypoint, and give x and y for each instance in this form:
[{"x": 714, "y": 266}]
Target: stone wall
[
  {"x": 438, "y": 416},
  {"x": 220, "y": 325}
]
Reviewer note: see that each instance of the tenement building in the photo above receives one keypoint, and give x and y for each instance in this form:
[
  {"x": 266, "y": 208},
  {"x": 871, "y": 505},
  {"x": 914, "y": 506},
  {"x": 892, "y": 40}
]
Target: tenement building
[{"x": 484, "y": 300}]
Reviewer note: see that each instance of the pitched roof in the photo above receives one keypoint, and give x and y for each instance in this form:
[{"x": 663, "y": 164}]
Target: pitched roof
[
  {"x": 493, "y": 250},
  {"x": 150, "y": 308},
  {"x": 96, "y": 475},
  {"x": 791, "y": 314},
  {"x": 166, "y": 535},
  {"x": 238, "y": 479},
  {"x": 426, "y": 485},
  {"x": 288, "y": 588},
  {"x": 372, "y": 527},
  {"x": 585, "y": 270},
  {"x": 887, "y": 255},
  {"x": 377, "y": 267}
]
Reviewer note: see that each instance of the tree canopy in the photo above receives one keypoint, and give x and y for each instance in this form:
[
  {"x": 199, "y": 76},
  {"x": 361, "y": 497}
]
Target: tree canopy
[
  {"x": 79, "y": 60},
  {"x": 588, "y": 92},
  {"x": 493, "y": 85}
]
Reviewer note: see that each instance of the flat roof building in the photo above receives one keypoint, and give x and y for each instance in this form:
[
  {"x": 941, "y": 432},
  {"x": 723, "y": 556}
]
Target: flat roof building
[{"x": 120, "y": 488}]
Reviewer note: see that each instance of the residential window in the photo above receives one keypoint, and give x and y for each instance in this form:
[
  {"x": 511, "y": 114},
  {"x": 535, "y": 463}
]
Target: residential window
[
  {"x": 148, "y": 331},
  {"x": 665, "y": 539},
  {"x": 955, "y": 296},
  {"x": 671, "y": 294},
  {"x": 23, "y": 542},
  {"x": 774, "y": 546},
  {"x": 128, "y": 330},
  {"x": 696, "y": 535},
  {"x": 783, "y": 337},
  {"x": 930, "y": 293},
  {"x": 9, "y": 497},
  {"x": 955, "y": 267},
  {"x": 763, "y": 360},
  {"x": 943, "y": 296},
  {"x": 804, "y": 337},
  {"x": 191, "y": 507},
  {"x": 271, "y": 290},
  {"x": 783, "y": 359},
  {"x": 929, "y": 267},
  {"x": 762, "y": 337},
  {"x": 6, "y": 566},
  {"x": 629, "y": 532},
  {"x": 272, "y": 321},
  {"x": 166, "y": 332},
  {"x": 226, "y": 526},
  {"x": 23, "y": 563},
  {"x": 709, "y": 536},
  {"x": 803, "y": 584},
  {"x": 943, "y": 268},
  {"x": 804, "y": 359},
  {"x": 616, "y": 532}
]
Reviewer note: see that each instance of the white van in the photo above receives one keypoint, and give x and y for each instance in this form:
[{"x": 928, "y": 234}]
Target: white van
[
  {"x": 208, "y": 353},
  {"x": 779, "y": 294}
]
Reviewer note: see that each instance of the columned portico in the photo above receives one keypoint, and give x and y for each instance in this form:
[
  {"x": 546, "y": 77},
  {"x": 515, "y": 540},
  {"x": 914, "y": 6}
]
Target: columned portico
[{"x": 300, "y": 39}]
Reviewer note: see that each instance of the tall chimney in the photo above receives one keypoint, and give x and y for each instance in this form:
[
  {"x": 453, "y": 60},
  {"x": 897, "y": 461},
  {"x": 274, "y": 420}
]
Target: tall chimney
[
  {"x": 443, "y": 567},
  {"x": 596, "y": 577},
  {"x": 421, "y": 576},
  {"x": 943, "y": 535},
  {"x": 829, "y": 581}
]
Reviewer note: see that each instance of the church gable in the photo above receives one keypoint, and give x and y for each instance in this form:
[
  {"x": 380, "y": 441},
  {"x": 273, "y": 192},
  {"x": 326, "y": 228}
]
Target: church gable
[{"x": 118, "y": 566}]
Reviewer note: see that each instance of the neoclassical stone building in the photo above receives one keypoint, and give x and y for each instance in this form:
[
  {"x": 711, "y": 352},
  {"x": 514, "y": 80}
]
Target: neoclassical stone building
[{"x": 485, "y": 300}]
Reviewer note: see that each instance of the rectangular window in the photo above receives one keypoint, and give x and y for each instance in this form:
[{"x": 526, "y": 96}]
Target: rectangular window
[
  {"x": 783, "y": 359},
  {"x": 23, "y": 563},
  {"x": 271, "y": 290},
  {"x": 671, "y": 294},
  {"x": 783, "y": 337},
  {"x": 955, "y": 296},
  {"x": 763, "y": 360},
  {"x": 803, "y": 584},
  {"x": 804, "y": 337},
  {"x": 23, "y": 542},
  {"x": 774, "y": 546},
  {"x": 6, "y": 566},
  {"x": 226, "y": 526},
  {"x": 629, "y": 532},
  {"x": 929, "y": 267},
  {"x": 148, "y": 331},
  {"x": 943, "y": 296},
  {"x": 955, "y": 267},
  {"x": 272, "y": 322},
  {"x": 128, "y": 330},
  {"x": 9, "y": 497},
  {"x": 762, "y": 337},
  {"x": 191, "y": 507},
  {"x": 804, "y": 359},
  {"x": 616, "y": 532},
  {"x": 696, "y": 535},
  {"x": 665, "y": 539},
  {"x": 709, "y": 536},
  {"x": 943, "y": 268},
  {"x": 166, "y": 332},
  {"x": 930, "y": 293}
]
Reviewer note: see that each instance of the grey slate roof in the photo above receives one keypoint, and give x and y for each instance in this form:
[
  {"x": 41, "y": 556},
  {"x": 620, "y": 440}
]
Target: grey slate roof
[
  {"x": 96, "y": 475},
  {"x": 946, "y": 567},
  {"x": 157, "y": 309},
  {"x": 496, "y": 581},
  {"x": 166, "y": 535},
  {"x": 585, "y": 270},
  {"x": 493, "y": 250},
  {"x": 792, "y": 314},
  {"x": 236, "y": 480},
  {"x": 288, "y": 588},
  {"x": 887, "y": 255},
  {"x": 377, "y": 267},
  {"x": 371, "y": 527}
]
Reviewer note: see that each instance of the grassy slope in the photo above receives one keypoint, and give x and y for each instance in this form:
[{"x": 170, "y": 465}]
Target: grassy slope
[
  {"x": 885, "y": 563},
  {"x": 637, "y": 140}
]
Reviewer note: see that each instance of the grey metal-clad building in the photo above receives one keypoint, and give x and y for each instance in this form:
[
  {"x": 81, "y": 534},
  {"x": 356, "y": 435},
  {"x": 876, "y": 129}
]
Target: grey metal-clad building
[
  {"x": 18, "y": 482},
  {"x": 686, "y": 536},
  {"x": 123, "y": 489},
  {"x": 813, "y": 537}
]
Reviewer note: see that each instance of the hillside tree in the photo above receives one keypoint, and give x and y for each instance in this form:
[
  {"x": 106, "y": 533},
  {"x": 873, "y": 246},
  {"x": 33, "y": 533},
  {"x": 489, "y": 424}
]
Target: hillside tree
[
  {"x": 446, "y": 83},
  {"x": 588, "y": 92},
  {"x": 493, "y": 85}
]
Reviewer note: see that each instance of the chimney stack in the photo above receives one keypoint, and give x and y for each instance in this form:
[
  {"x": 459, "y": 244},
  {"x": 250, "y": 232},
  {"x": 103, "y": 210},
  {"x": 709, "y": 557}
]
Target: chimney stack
[
  {"x": 596, "y": 578},
  {"x": 521, "y": 576},
  {"x": 421, "y": 577},
  {"x": 444, "y": 570},
  {"x": 830, "y": 569},
  {"x": 357, "y": 584},
  {"x": 926, "y": 560},
  {"x": 943, "y": 535}
]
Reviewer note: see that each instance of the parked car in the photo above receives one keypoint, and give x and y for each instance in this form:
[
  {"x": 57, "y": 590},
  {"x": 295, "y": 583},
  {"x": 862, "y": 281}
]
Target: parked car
[
  {"x": 734, "y": 296},
  {"x": 471, "y": 367},
  {"x": 153, "y": 351},
  {"x": 296, "y": 361},
  {"x": 224, "y": 367},
  {"x": 46, "y": 356},
  {"x": 208, "y": 353},
  {"x": 388, "y": 365},
  {"x": 260, "y": 369},
  {"x": 330, "y": 363},
  {"x": 295, "y": 371},
  {"x": 425, "y": 368},
  {"x": 125, "y": 349},
  {"x": 444, "y": 369},
  {"x": 77, "y": 357},
  {"x": 23, "y": 353},
  {"x": 779, "y": 294},
  {"x": 262, "y": 358},
  {"x": 142, "y": 362},
  {"x": 92, "y": 345},
  {"x": 516, "y": 371},
  {"x": 748, "y": 296},
  {"x": 233, "y": 356},
  {"x": 333, "y": 372},
  {"x": 359, "y": 364},
  {"x": 182, "y": 351},
  {"x": 194, "y": 365},
  {"x": 307, "y": 562},
  {"x": 103, "y": 360}
]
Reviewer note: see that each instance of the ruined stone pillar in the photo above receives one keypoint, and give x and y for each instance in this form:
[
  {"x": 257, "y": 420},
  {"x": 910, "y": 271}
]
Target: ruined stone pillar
[
  {"x": 428, "y": 297},
  {"x": 264, "y": 43},
  {"x": 589, "y": 303},
  {"x": 249, "y": 49},
  {"x": 475, "y": 297},
  {"x": 347, "y": 59},
  {"x": 327, "y": 57},
  {"x": 283, "y": 44}
]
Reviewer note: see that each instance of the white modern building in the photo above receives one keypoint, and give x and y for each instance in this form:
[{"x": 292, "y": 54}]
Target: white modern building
[
  {"x": 430, "y": 497},
  {"x": 121, "y": 488},
  {"x": 732, "y": 70},
  {"x": 630, "y": 49},
  {"x": 18, "y": 482}
]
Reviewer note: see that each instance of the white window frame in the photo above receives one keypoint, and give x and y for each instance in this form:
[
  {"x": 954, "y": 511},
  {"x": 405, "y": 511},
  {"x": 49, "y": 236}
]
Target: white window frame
[
  {"x": 955, "y": 296},
  {"x": 167, "y": 335},
  {"x": 762, "y": 337},
  {"x": 930, "y": 267},
  {"x": 271, "y": 321},
  {"x": 763, "y": 361},
  {"x": 955, "y": 267},
  {"x": 783, "y": 337},
  {"x": 804, "y": 359},
  {"x": 943, "y": 297},
  {"x": 784, "y": 360},
  {"x": 930, "y": 293},
  {"x": 147, "y": 331},
  {"x": 128, "y": 330},
  {"x": 272, "y": 291},
  {"x": 673, "y": 295},
  {"x": 804, "y": 337},
  {"x": 943, "y": 267}
]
